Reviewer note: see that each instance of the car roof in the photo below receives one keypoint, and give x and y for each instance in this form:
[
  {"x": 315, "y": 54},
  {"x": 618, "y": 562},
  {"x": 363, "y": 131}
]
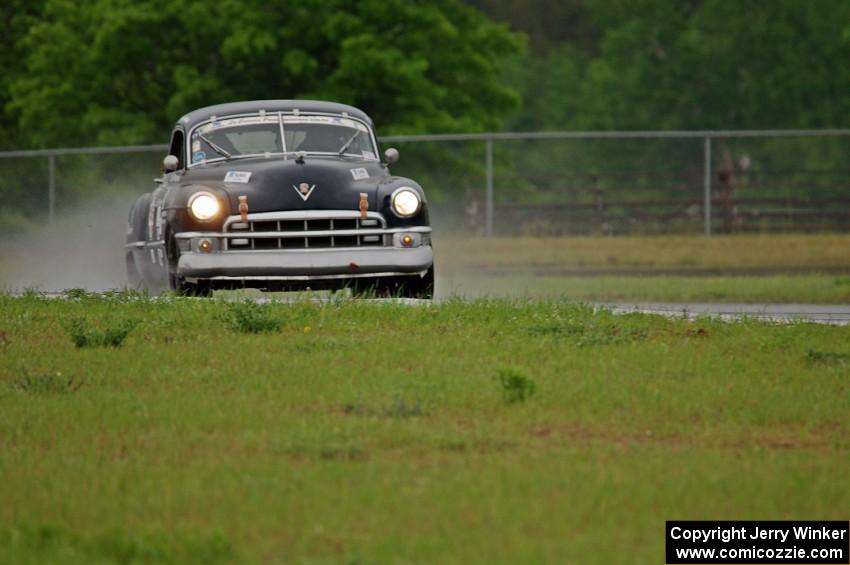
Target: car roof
[{"x": 195, "y": 117}]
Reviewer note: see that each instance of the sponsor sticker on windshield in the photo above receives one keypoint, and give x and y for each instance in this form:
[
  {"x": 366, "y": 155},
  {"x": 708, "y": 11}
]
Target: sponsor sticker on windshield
[
  {"x": 359, "y": 173},
  {"x": 237, "y": 176}
]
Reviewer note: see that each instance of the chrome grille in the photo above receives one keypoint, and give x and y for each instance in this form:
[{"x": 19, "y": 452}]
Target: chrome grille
[{"x": 317, "y": 229}]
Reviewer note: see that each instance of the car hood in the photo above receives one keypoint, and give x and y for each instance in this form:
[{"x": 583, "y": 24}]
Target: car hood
[{"x": 273, "y": 185}]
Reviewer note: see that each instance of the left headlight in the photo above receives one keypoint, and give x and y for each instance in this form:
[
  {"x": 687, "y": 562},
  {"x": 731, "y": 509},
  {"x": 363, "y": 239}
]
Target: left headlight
[
  {"x": 405, "y": 202},
  {"x": 204, "y": 206}
]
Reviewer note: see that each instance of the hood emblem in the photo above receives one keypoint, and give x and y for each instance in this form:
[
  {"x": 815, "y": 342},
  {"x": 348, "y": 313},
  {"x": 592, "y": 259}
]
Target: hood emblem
[{"x": 304, "y": 190}]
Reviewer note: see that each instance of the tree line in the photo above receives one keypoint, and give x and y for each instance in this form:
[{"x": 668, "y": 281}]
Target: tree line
[
  {"x": 120, "y": 71},
  {"x": 680, "y": 64},
  {"x": 117, "y": 72}
]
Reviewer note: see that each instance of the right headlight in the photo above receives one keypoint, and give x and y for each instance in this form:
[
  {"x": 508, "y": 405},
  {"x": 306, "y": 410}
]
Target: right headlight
[
  {"x": 204, "y": 206},
  {"x": 405, "y": 202}
]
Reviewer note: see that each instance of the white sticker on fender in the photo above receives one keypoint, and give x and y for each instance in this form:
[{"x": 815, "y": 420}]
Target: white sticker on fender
[
  {"x": 237, "y": 176},
  {"x": 359, "y": 173}
]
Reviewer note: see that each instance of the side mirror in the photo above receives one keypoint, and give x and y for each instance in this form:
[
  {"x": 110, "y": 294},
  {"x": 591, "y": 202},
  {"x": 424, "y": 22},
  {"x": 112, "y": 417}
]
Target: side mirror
[
  {"x": 170, "y": 164},
  {"x": 391, "y": 155}
]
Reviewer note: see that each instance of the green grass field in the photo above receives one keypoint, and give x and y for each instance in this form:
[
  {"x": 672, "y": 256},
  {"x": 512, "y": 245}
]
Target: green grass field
[
  {"x": 808, "y": 288},
  {"x": 357, "y": 432},
  {"x": 685, "y": 252},
  {"x": 737, "y": 268}
]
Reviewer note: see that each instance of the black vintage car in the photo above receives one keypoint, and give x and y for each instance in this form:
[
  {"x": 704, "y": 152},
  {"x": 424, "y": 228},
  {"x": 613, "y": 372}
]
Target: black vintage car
[{"x": 280, "y": 195}]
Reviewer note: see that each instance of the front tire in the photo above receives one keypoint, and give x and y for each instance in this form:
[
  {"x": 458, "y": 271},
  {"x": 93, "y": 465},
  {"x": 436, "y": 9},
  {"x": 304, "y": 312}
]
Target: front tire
[
  {"x": 179, "y": 286},
  {"x": 200, "y": 290},
  {"x": 176, "y": 283}
]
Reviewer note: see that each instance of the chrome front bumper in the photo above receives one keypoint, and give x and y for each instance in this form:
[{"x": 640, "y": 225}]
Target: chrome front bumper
[
  {"x": 304, "y": 264},
  {"x": 303, "y": 246}
]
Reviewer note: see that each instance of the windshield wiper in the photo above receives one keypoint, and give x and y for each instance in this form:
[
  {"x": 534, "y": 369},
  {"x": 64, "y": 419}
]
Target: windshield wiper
[
  {"x": 217, "y": 148},
  {"x": 351, "y": 139}
]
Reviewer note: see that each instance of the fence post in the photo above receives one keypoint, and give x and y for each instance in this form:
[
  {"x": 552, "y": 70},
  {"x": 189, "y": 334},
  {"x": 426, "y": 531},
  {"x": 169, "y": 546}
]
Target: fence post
[
  {"x": 706, "y": 205},
  {"x": 51, "y": 188},
  {"x": 488, "y": 206}
]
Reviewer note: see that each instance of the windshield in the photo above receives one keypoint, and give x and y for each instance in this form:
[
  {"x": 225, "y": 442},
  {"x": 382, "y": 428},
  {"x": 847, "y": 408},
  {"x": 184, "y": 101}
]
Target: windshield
[{"x": 260, "y": 134}]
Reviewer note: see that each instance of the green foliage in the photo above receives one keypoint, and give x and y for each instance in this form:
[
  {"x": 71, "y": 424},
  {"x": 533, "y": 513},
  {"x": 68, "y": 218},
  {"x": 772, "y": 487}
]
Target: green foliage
[
  {"x": 249, "y": 316},
  {"x": 716, "y": 64},
  {"x": 516, "y": 385},
  {"x": 76, "y": 293},
  {"x": 115, "y": 72},
  {"x": 84, "y": 333},
  {"x": 112, "y": 72},
  {"x": 16, "y": 18},
  {"x": 548, "y": 23}
]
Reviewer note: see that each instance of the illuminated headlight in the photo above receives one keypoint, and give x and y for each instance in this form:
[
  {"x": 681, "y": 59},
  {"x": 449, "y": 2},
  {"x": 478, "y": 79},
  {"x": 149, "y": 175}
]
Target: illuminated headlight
[
  {"x": 203, "y": 206},
  {"x": 405, "y": 202}
]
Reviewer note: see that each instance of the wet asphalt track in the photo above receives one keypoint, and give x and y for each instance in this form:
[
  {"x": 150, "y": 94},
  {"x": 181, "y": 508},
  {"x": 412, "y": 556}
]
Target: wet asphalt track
[{"x": 836, "y": 314}]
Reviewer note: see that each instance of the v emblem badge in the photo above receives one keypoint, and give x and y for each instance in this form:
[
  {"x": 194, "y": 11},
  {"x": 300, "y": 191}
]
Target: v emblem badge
[{"x": 304, "y": 190}]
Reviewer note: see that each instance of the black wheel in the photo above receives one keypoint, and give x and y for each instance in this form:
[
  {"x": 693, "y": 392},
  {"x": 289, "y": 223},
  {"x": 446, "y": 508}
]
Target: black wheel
[
  {"x": 196, "y": 289},
  {"x": 175, "y": 282},
  {"x": 183, "y": 288},
  {"x": 137, "y": 230}
]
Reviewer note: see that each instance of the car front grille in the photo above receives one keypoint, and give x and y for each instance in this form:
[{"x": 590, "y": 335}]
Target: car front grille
[{"x": 306, "y": 230}]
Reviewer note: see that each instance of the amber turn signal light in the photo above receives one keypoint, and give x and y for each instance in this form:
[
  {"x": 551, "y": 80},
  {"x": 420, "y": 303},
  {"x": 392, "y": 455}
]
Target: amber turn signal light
[{"x": 407, "y": 240}]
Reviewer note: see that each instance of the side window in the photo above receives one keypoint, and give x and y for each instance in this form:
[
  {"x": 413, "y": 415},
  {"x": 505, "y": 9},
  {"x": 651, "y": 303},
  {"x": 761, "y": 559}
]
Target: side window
[{"x": 178, "y": 148}]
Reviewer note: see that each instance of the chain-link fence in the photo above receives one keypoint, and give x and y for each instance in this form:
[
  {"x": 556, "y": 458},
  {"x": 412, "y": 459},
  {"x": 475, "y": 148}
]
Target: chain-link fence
[
  {"x": 544, "y": 183},
  {"x": 635, "y": 182}
]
